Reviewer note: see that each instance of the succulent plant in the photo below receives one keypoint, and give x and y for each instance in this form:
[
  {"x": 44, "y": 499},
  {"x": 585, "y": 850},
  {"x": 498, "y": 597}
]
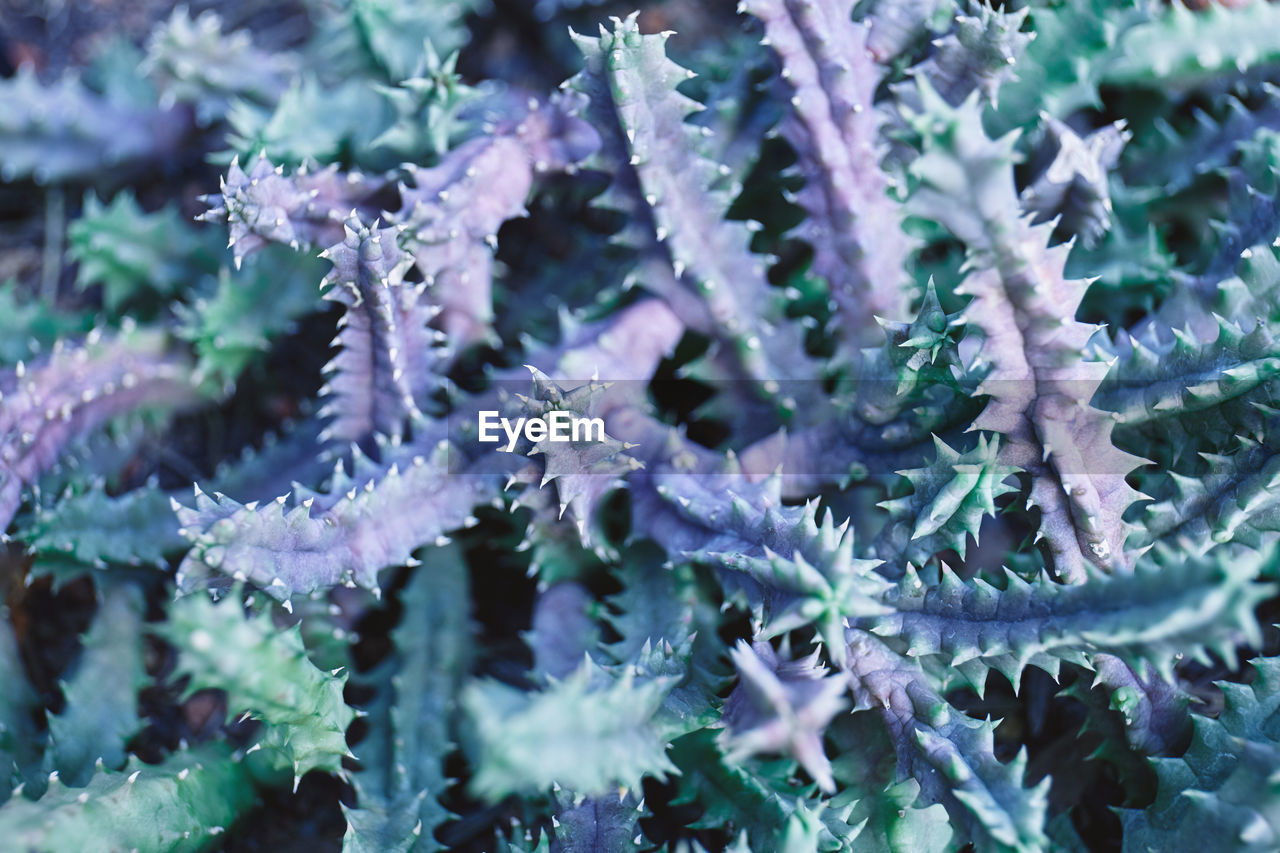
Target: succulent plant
[{"x": 927, "y": 359}]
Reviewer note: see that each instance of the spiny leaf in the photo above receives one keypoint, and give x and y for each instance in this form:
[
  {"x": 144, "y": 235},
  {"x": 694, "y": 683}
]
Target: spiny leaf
[
  {"x": 354, "y": 528},
  {"x": 185, "y": 803},
  {"x": 102, "y": 692},
  {"x": 308, "y": 545},
  {"x": 308, "y": 207},
  {"x": 249, "y": 309},
  {"x": 20, "y": 745},
  {"x": 310, "y": 122},
  {"x": 981, "y": 53},
  {"x": 136, "y": 255},
  {"x": 1233, "y": 501},
  {"x": 949, "y": 753},
  {"x": 1041, "y": 385},
  {"x": 76, "y": 389},
  {"x": 1076, "y": 42},
  {"x": 195, "y": 62},
  {"x": 389, "y": 360},
  {"x": 592, "y": 464},
  {"x": 1224, "y": 789},
  {"x": 395, "y": 31},
  {"x": 403, "y": 754},
  {"x": 948, "y": 500},
  {"x": 266, "y": 674},
  {"x": 790, "y": 565},
  {"x": 29, "y": 326},
  {"x": 587, "y": 738},
  {"x": 452, "y": 211},
  {"x": 132, "y": 528},
  {"x": 1168, "y": 605},
  {"x": 782, "y": 705},
  {"x": 854, "y": 226},
  {"x": 1180, "y": 49},
  {"x": 632, "y": 81},
  {"x": 435, "y": 110},
  {"x": 757, "y": 803},
  {"x": 65, "y": 132}
]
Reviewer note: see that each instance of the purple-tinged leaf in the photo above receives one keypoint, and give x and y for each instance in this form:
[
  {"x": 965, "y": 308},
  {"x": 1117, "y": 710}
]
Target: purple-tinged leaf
[
  {"x": 75, "y": 390},
  {"x": 854, "y": 226},
  {"x": 306, "y": 208}
]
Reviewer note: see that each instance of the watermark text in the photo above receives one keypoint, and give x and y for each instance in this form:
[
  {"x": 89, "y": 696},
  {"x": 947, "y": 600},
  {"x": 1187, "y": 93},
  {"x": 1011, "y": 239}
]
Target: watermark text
[{"x": 554, "y": 426}]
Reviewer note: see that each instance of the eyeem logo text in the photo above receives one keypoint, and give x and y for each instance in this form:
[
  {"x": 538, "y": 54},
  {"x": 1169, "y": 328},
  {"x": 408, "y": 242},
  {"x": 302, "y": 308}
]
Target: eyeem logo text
[{"x": 555, "y": 426}]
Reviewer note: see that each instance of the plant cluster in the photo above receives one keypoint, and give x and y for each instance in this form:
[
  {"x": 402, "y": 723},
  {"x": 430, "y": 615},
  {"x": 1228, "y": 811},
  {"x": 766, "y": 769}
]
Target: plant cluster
[{"x": 936, "y": 348}]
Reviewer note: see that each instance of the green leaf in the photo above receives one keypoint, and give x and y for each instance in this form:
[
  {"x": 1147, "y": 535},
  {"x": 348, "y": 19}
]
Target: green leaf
[
  {"x": 20, "y": 741},
  {"x": 185, "y": 803},
  {"x": 1171, "y": 604},
  {"x": 398, "y": 32},
  {"x": 948, "y": 500},
  {"x": 266, "y": 673},
  {"x": 588, "y": 733},
  {"x": 1224, "y": 793},
  {"x": 101, "y": 693},
  {"x": 138, "y": 256},
  {"x": 1183, "y": 49},
  {"x": 410, "y": 718},
  {"x": 196, "y": 63},
  {"x": 134, "y": 528},
  {"x": 249, "y": 309},
  {"x": 29, "y": 326}
]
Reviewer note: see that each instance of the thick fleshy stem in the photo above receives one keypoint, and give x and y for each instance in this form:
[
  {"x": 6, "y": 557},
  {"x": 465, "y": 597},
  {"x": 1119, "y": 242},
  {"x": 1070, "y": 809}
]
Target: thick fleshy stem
[
  {"x": 949, "y": 753},
  {"x": 1043, "y": 378},
  {"x": 854, "y": 226},
  {"x": 417, "y": 492},
  {"x": 64, "y": 132},
  {"x": 674, "y": 192},
  {"x": 307, "y": 208},
  {"x": 452, "y": 212},
  {"x": 76, "y": 389},
  {"x": 389, "y": 359}
]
